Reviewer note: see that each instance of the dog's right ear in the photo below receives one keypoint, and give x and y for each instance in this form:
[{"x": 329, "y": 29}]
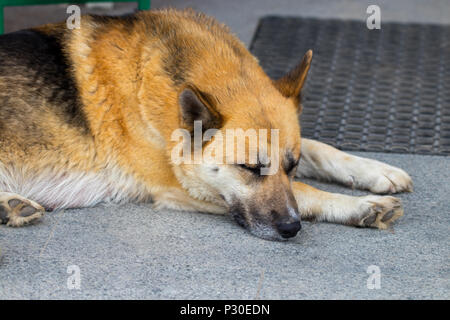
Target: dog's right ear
[
  {"x": 292, "y": 83},
  {"x": 198, "y": 106}
]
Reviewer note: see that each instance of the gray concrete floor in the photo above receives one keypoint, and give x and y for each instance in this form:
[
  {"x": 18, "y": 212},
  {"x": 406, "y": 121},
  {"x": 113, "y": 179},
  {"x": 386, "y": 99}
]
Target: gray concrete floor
[{"x": 132, "y": 251}]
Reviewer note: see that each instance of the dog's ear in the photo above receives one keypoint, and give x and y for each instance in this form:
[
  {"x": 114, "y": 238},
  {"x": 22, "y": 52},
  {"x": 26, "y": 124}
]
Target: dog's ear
[
  {"x": 198, "y": 106},
  {"x": 292, "y": 83}
]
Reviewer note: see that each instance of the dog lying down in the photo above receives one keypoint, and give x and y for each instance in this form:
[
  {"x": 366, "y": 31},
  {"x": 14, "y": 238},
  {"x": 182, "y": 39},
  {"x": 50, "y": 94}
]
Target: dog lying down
[{"x": 95, "y": 115}]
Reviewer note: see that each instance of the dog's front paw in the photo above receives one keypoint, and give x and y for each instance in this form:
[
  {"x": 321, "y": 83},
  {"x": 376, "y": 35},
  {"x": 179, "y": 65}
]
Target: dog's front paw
[
  {"x": 17, "y": 211},
  {"x": 378, "y": 211},
  {"x": 378, "y": 177},
  {"x": 391, "y": 180}
]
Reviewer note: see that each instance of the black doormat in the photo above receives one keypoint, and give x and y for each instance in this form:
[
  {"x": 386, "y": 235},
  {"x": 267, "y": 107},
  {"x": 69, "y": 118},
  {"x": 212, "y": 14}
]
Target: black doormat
[{"x": 370, "y": 90}]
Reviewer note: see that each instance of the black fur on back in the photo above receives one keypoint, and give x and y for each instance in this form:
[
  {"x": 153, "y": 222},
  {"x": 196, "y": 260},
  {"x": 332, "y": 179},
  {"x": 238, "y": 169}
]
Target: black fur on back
[{"x": 34, "y": 68}]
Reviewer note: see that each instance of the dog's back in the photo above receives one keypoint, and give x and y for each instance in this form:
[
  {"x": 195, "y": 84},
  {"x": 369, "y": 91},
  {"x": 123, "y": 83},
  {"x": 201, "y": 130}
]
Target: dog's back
[
  {"x": 73, "y": 102},
  {"x": 36, "y": 86}
]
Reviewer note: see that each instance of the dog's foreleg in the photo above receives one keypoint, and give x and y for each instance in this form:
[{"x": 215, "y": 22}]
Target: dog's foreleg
[
  {"x": 365, "y": 211},
  {"x": 325, "y": 162},
  {"x": 17, "y": 211}
]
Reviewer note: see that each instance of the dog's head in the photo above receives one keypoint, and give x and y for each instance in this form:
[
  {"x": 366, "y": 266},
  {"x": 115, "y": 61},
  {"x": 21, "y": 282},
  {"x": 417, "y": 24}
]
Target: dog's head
[{"x": 244, "y": 128}]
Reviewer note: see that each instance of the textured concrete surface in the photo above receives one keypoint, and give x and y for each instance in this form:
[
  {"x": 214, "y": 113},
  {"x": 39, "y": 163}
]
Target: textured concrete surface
[{"x": 132, "y": 251}]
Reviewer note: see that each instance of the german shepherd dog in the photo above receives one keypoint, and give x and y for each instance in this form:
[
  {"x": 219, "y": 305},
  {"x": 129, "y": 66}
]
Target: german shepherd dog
[{"x": 87, "y": 116}]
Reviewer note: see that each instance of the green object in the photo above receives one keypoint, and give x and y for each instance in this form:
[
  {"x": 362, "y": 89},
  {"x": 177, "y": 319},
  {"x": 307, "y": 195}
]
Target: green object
[{"x": 142, "y": 5}]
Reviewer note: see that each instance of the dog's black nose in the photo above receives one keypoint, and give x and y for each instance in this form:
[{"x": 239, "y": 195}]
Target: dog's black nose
[{"x": 288, "y": 229}]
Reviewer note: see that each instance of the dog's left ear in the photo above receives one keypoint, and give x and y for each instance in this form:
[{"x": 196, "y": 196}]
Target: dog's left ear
[
  {"x": 198, "y": 106},
  {"x": 292, "y": 83}
]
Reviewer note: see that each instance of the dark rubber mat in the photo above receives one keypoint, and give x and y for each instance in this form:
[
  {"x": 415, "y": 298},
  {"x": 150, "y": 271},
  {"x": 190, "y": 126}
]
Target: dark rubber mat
[{"x": 371, "y": 90}]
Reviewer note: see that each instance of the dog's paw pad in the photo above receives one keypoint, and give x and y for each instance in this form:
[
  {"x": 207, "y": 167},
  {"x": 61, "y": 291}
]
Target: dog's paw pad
[
  {"x": 16, "y": 211},
  {"x": 388, "y": 216},
  {"x": 381, "y": 212},
  {"x": 27, "y": 211},
  {"x": 3, "y": 214},
  {"x": 14, "y": 203}
]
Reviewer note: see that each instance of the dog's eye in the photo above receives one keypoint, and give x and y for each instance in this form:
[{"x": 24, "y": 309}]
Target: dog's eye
[
  {"x": 255, "y": 170},
  {"x": 290, "y": 171}
]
